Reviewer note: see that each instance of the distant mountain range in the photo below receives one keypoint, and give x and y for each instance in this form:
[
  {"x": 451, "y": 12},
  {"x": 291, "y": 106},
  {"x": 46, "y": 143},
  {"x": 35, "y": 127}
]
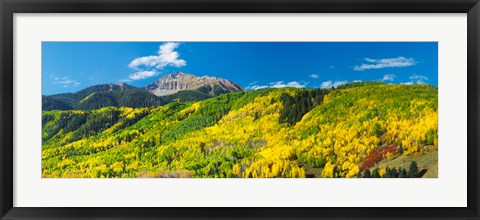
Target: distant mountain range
[{"x": 178, "y": 86}]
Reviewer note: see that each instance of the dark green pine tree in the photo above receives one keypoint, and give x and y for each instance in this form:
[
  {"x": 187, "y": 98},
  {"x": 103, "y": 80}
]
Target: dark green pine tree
[
  {"x": 402, "y": 173},
  {"x": 367, "y": 174},
  {"x": 387, "y": 173},
  {"x": 256, "y": 116},
  {"x": 376, "y": 173},
  {"x": 393, "y": 173},
  {"x": 413, "y": 172},
  {"x": 359, "y": 174}
]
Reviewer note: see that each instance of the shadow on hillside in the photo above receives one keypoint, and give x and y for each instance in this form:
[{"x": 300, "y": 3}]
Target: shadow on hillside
[{"x": 422, "y": 172}]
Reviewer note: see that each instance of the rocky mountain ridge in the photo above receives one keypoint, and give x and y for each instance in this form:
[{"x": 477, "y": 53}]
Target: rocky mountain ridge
[{"x": 179, "y": 81}]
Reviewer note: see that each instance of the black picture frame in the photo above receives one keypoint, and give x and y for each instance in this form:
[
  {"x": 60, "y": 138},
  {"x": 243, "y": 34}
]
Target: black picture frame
[{"x": 9, "y": 7}]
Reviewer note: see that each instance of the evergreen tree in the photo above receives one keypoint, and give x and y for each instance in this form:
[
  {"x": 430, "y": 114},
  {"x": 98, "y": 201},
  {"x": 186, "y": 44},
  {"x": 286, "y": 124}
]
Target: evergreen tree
[
  {"x": 413, "y": 172},
  {"x": 402, "y": 173},
  {"x": 376, "y": 173},
  {"x": 359, "y": 174},
  {"x": 256, "y": 116},
  {"x": 387, "y": 173},
  {"x": 367, "y": 174},
  {"x": 393, "y": 173}
]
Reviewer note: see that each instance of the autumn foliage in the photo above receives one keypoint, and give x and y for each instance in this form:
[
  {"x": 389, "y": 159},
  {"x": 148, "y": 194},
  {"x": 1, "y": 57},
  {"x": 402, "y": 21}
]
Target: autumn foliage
[
  {"x": 378, "y": 154},
  {"x": 267, "y": 133}
]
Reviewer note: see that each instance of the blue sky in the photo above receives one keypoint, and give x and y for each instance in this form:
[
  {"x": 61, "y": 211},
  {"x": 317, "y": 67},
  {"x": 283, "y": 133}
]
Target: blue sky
[{"x": 71, "y": 66}]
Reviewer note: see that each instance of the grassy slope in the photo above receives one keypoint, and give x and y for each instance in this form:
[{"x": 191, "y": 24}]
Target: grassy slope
[{"x": 426, "y": 161}]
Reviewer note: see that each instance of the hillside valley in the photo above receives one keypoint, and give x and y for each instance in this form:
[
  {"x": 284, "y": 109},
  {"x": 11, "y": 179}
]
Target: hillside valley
[{"x": 195, "y": 127}]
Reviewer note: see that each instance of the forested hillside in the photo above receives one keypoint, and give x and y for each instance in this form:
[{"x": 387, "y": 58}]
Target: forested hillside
[
  {"x": 285, "y": 132},
  {"x": 116, "y": 98},
  {"x": 171, "y": 87}
]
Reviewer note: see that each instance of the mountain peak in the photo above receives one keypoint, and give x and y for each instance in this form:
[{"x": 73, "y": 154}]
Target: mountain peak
[
  {"x": 119, "y": 86},
  {"x": 178, "y": 74},
  {"x": 178, "y": 81}
]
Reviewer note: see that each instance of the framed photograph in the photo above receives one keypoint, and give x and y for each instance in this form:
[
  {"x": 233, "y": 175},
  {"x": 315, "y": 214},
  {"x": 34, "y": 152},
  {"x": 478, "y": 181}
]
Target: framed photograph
[{"x": 242, "y": 109}]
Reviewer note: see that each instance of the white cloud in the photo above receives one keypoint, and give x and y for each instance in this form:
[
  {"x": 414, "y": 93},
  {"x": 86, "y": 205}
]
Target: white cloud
[
  {"x": 313, "y": 76},
  {"x": 337, "y": 83},
  {"x": 416, "y": 79},
  {"x": 167, "y": 56},
  {"x": 147, "y": 66},
  {"x": 295, "y": 84},
  {"x": 332, "y": 67},
  {"x": 388, "y": 77},
  {"x": 281, "y": 84},
  {"x": 357, "y": 81},
  {"x": 64, "y": 81},
  {"x": 255, "y": 87},
  {"x": 385, "y": 63},
  {"x": 142, "y": 75},
  {"x": 278, "y": 84},
  {"x": 329, "y": 84}
]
